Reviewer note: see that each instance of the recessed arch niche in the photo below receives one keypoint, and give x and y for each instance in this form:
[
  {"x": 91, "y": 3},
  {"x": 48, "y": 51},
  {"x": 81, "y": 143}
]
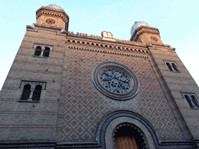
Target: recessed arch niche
[{"x": 107, "y": 127}]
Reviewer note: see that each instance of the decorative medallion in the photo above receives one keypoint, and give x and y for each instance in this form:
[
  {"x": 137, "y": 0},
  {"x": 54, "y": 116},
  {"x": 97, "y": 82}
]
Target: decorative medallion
[
  {"x": 115, "y": 80},
  {"x": 50, "y": 21},
  {"x": 154, "y": 38}
]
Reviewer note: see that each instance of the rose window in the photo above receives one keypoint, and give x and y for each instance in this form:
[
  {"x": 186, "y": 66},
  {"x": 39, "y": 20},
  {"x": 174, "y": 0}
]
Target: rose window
[{"x": 115, "y": 80}]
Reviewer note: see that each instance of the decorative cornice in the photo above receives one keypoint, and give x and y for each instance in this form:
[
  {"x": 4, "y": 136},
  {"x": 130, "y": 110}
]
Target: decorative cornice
[
  {"x": 96, "y": 39},
  {"x": 109, "y": 51},
  {"x": 52, "y": 12},
  {"x": 99, "y": 37},
  {"x": 144, "y": 29},
  {"x": 69, "y": 145}
]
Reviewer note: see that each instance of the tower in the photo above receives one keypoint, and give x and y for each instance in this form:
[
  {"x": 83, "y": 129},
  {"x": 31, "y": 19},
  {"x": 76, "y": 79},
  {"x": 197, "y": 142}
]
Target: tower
[{"x": 67, "y": 90}]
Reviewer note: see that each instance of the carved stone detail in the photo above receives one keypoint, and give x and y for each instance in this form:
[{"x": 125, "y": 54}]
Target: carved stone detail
[
  {"x": 115, "y": 80},
  {"x": 154, "y": 38},
  {"x": 50, "y": 21}
]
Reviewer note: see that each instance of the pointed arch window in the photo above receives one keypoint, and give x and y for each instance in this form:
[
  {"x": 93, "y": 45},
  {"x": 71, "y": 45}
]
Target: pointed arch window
[{"x": 26, "y": 92}]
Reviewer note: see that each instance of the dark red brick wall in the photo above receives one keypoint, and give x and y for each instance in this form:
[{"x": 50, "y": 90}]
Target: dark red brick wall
[{"x": 82, "y": 106}]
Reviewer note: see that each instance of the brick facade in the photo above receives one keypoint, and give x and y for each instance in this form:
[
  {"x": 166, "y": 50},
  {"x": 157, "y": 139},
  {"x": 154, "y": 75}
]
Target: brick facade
[{"x": 72, "y": 113}]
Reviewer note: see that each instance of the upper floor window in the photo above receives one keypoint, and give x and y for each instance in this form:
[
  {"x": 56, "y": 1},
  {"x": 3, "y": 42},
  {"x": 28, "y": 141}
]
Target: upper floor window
[
  {"x": 32, "y": 90},
  {"x": 46, "y": 52},
  {"x": 37, "y": 93},
  {"x": 26, "y": 92},
  {"x": 191, "y": 99},
  {"x": 169, "y": 66},
  {"x": 42, "y": 50},
  {"x": 38, "y": 51},
  {"x": 172, "y": 66}
]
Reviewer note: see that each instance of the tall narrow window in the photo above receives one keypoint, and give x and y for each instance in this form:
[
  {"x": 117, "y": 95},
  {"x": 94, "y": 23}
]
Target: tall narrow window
[
  {"x": 26, "y": 92},
  {"x": 169, "y": 66},
  {"x": 46, "y": 52},
  {"x": 174, "y": 67},
  {"x": 37, "y": 93},
  {"x": 195, "y": 101},
  {"x": 189, "y": 101},
  {"x": 38, "y": 51}
]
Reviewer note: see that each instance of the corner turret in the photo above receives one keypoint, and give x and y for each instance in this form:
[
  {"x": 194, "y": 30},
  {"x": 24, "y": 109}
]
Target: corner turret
[
  {"x": 142, "y": 32},
  {"x": 52, "y": 15}
]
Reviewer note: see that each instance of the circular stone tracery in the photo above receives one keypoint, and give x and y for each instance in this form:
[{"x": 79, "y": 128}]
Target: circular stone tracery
[
  {"x": 50, "y": 21},
  {"x": 115, "y": 80}
]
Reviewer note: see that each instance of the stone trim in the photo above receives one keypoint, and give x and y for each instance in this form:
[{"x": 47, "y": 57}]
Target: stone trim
[
  {"x": 144, "y": 29},
  {"x": 32, "y": 84},
  {"x": 106, "y": 122},
  {"x": 193, "y": 103},
  {"x": 116, "y": 94},
  {"x": 107, "y": 46},
  {"x": 171, "y": 66},
  {"x": 106, "y": 51},
  {"x": 27, "y": 144},
  {"x": 52, "y": 12},
  {"x": 100, "y": 136},
  {"x": 99, "y": 37}
]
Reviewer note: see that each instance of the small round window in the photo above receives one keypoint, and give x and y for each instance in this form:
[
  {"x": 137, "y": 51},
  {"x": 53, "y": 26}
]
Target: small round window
[
  {"x": 115, "y": 80},
  {"x": 50, "y": 21}
]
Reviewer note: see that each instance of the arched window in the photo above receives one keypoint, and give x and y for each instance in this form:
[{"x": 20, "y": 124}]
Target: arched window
[
  {"x": 169, "y": 66},
  {"x": 195, "y": 101},
  {"x": 38, "y": 51},
  {"x": 174, "y": 67},
  {"x": 189, "y": 101},
  {"x": 37, "y": 93},
  {"x": 26, "y": 92},
  {"x": 46, "y": 52}
]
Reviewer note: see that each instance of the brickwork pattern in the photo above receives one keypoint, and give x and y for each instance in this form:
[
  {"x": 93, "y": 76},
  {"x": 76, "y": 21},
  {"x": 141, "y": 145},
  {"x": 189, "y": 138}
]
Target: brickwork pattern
[
  {"x": 32, "y": 121},
  {"x": 82, "y": 107},
  {"x": 177, "y": 83}
]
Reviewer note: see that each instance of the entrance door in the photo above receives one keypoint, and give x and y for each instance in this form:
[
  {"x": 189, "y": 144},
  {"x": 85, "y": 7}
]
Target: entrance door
[{"x": 125, "y": 143}]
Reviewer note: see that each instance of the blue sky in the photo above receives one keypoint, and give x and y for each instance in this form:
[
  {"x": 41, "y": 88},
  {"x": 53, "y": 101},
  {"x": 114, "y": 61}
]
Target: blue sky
[{"x": 177, "y": 21}]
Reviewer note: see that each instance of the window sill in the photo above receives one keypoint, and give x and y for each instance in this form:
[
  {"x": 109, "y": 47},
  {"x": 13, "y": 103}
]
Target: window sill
[
  {"x": 40, "y": 56},
  {"x": 26, "y": 101},
  {"x": 194, "y": 108},
  {"x": 175, "y": 71}
]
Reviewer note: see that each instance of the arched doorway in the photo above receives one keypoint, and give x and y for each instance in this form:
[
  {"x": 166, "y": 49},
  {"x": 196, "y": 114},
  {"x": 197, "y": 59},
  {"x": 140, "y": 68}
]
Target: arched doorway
[
  {"x": 106, "y": 133},
  {"x": 128, "y": 136}
]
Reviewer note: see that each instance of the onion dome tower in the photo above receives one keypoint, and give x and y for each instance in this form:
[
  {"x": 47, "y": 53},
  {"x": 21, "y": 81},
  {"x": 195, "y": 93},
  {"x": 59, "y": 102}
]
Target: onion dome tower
[{"x": 53, "y": 16}]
